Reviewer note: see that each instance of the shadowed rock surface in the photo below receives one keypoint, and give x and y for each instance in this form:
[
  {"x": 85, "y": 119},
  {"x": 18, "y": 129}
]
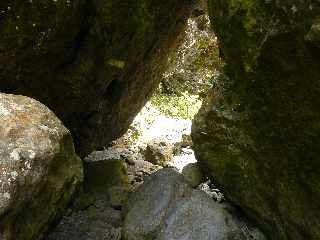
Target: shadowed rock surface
[
  {"x": 95, "y": 63},
  {"x": 96, "y": 214},
  {"x": 97, "y": 221},
  {"x": 258, "y": 134},
  {"x": 39, "y": 170},
  {"x": 193, "y": 174}
]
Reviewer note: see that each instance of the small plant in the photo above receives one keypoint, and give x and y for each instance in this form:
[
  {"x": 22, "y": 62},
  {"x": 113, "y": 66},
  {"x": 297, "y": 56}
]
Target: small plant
[{"x": 184, "y": 106}]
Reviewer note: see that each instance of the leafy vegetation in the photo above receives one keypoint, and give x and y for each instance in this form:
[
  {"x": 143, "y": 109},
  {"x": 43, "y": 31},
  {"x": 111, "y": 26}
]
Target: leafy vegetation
[
  {"x": 184, "y": 106},
  {"x": 192, "y": 71},
  {"x": 196, "y": 61}
]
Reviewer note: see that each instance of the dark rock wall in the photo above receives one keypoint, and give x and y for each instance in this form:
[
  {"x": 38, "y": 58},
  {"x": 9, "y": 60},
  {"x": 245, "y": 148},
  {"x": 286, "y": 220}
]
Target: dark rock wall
[
  {"x": 258, "y": 134},
  {"x": 95, "y": 63}
]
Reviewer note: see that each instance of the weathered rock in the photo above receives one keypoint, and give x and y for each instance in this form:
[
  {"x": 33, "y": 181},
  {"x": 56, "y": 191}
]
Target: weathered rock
[
  {"x": 95, "y": 63},
  {"x": 186, "y": 142},
  {"x": 96, "y": 214},
  {"x": 158, "y": 152},
  {"x": 99, "y": 176},
  {"x": 107, "y": 178},
  {"x": 139, "y": 170},
  {"x": 146, "y": 208},
  {"x": 193, "y": 174},
  {"x": 116, "y": 166},
  {"x": 199, "y": 217},
  {"x": 39, "y": 170},
  {"x": 166, "y": 207},
  {"x": 258, "y": 133},
  {"x": 96, "y": 222}
]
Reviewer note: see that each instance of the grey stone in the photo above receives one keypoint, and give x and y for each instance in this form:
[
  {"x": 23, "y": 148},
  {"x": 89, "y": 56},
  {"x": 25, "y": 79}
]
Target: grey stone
[
  {"x": 93, "y": 223},
  {"x": 39, "y": 170},
  {"x": 158, "y": 152},
  {"x": 193, "y": 174},
  {"x": 165, "y": 207}
]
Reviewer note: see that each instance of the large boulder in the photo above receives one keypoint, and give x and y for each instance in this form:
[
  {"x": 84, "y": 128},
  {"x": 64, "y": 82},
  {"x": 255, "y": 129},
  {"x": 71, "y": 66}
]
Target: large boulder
[
  {"x": 258, "y": 134},
  {"x": 39, "y": 170},
  {"x": 165, "y": 207},
  {"x": 95, "y": 63}
]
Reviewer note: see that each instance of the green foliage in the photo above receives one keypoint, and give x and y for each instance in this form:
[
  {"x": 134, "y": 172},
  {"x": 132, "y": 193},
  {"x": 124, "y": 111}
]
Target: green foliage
[
  {"x": 192, "y": 71},
  {"x": 184, "y": 106},
  {"x": 195, "y": 62}
]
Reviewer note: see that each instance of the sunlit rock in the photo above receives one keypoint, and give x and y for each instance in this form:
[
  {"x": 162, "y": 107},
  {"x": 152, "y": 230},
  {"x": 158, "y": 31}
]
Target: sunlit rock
[
  {"x": 39, "y": 170},
  {"x": 158, "y": 152}
]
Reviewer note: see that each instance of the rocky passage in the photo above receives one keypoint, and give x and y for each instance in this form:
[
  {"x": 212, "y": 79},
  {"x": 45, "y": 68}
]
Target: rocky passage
[
  {"x": 158, "y": 138},
  {"x": 162, "y": 206},
  {"x": 128, "y": 196},
  {"x": 96, "y": 63},
  {"x": 114, "y": 173}
]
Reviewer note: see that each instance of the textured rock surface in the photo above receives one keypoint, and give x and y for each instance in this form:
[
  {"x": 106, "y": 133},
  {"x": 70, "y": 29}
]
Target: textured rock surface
[
  {"x": 95, "y": 63},
  {"x": 258, "y": 134},
  {"x": 98, "y": 221},
  {"x": 166, "y": 207},
  {"x": 100, "y": 175},
  {"x": 193, "y": 174},
  {"x": 97, "y": 214},
  {"x": 158, "y": 152},
  {"x": 39, "y": 170}
]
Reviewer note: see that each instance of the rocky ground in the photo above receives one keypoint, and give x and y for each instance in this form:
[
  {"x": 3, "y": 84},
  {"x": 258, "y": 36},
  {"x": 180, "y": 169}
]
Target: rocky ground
[
  {"x": 156, "y": 138},
  {"x": 152, "y": 142},
  {"x": 155, "y": 149},
  {"x": 94, "y": 64}
]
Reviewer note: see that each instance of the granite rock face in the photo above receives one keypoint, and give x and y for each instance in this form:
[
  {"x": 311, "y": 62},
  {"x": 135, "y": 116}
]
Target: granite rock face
[
  {"x": 166, "y": 207},
  {"x": 39, "y": 170},
  {"x": 94, "y": 63},
  {"x": 258, "y": 134}
]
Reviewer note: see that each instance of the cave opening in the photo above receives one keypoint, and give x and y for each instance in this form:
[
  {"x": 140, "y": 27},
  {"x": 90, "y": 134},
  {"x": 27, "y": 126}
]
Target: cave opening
[
  {"x": 75, "y": 74},
  {"x": 161, "y": 131},
  {"x": 159, "y": 137}
]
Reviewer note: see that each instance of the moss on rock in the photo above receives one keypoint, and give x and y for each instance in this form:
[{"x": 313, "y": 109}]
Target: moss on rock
[
  {"x": 258, "y": 133},
  {"x": 63, "y": 53},
  {"x": 101, "y": 175},
  {"x": 39, "y": 170}
]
